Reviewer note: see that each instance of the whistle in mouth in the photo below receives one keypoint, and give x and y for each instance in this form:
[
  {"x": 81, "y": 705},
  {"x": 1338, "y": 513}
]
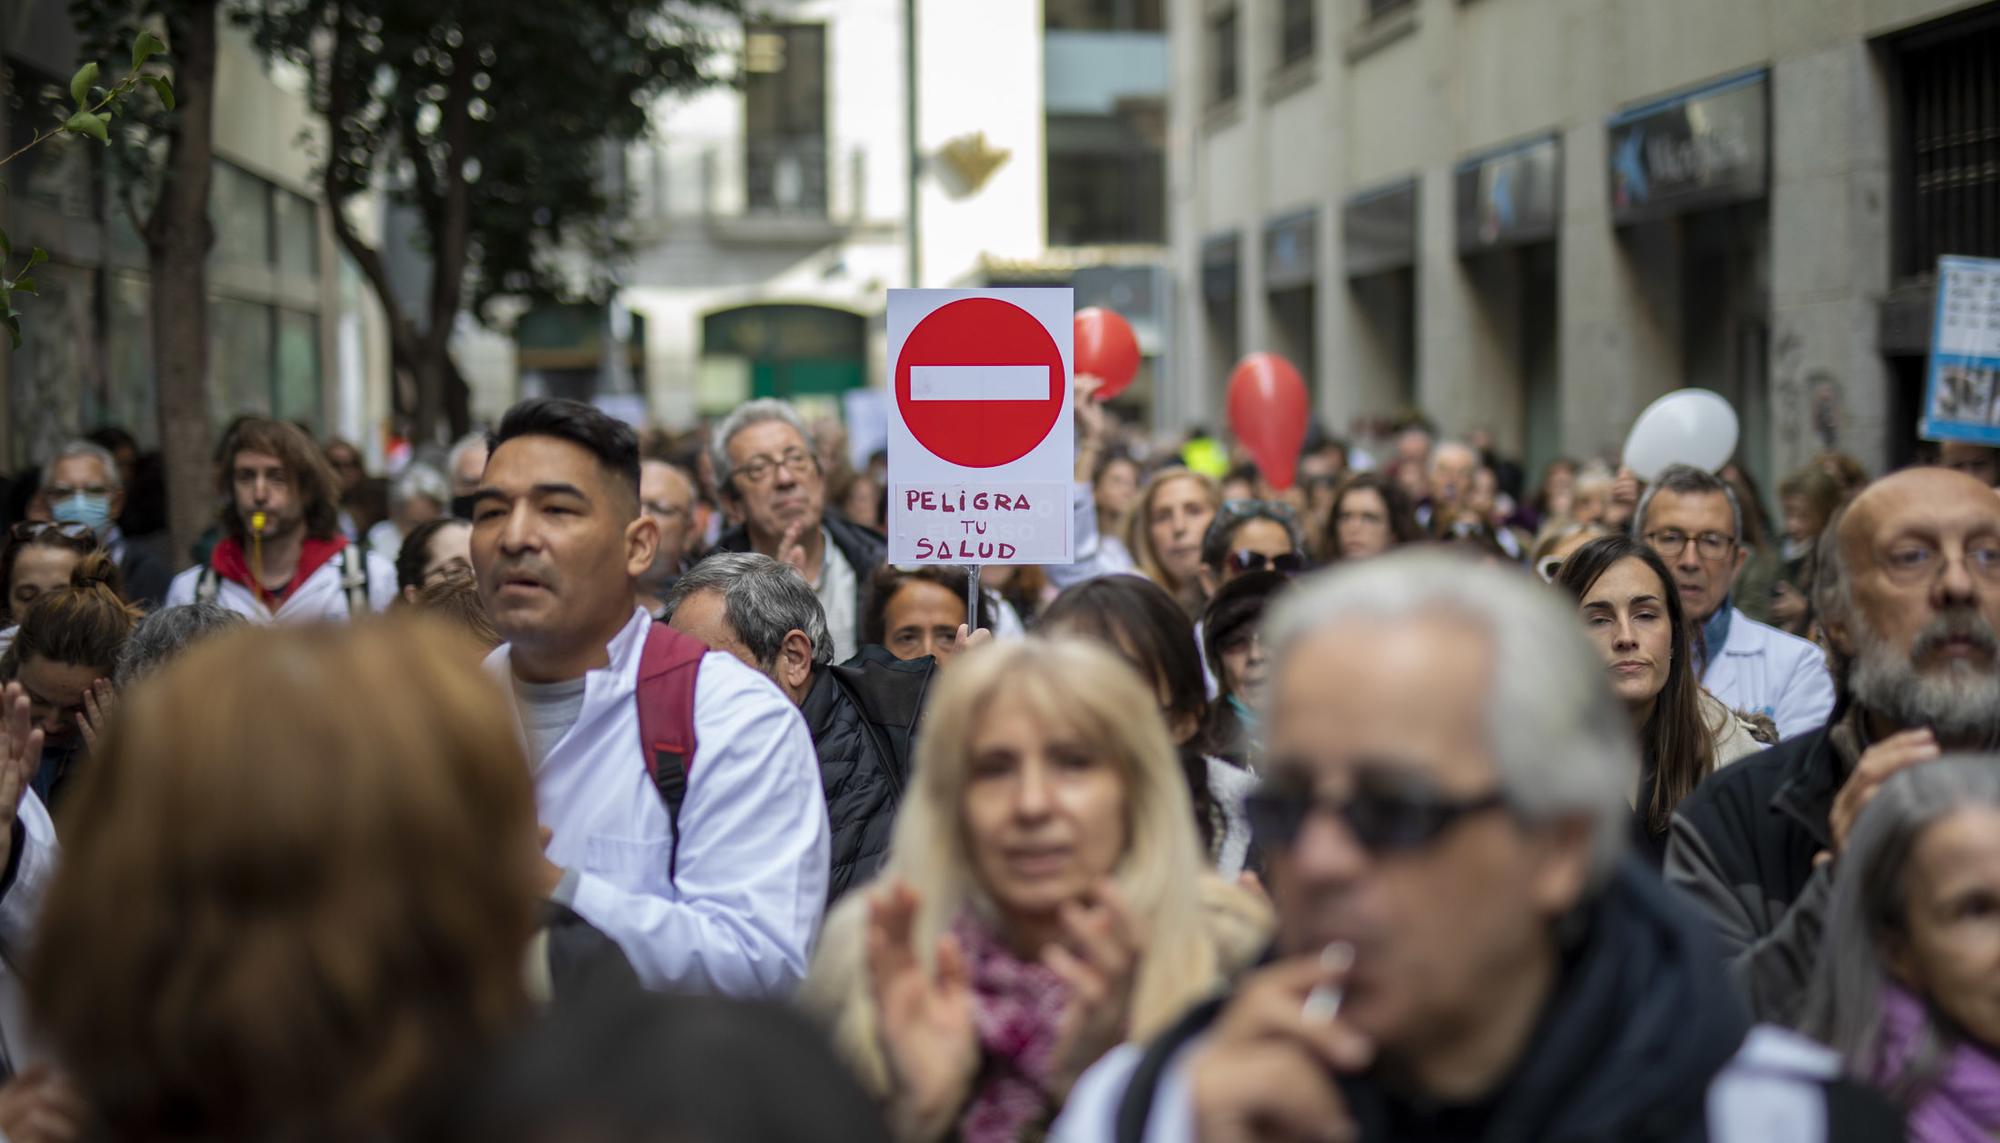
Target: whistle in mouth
[{"x": 257, "y": 522}]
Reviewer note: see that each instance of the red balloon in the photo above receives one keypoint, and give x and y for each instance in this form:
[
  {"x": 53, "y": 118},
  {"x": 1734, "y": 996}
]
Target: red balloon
[
  {"x": 1268, "y": 412},
  {"x": 1106, "y": 349}
]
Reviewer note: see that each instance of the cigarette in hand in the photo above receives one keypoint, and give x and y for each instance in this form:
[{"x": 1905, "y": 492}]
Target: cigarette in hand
[{"x": 1323, "y": 1003}]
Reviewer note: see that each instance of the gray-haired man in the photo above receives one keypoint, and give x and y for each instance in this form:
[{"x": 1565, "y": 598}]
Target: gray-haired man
[
  {"x": 1462, "y": 950},
  {"x": 862, "y": 714},
  {"x": 1692, "y": 520},
  {"x": 766, "y": 469}
]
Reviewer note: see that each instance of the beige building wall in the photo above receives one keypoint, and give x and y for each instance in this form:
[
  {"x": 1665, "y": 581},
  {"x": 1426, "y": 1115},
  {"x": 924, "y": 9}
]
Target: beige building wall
[{"x": 1418, "y": 90}]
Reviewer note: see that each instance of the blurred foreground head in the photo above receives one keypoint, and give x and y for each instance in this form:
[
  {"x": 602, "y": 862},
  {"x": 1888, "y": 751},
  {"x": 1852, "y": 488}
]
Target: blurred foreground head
[
  {"x": 296, "y": 888},
  {"x": 670, "y": 1069}
]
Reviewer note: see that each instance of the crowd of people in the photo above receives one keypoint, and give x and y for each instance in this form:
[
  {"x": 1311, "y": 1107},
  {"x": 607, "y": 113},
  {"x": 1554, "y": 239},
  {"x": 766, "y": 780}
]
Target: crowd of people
[{"x": 580, "y": 783}]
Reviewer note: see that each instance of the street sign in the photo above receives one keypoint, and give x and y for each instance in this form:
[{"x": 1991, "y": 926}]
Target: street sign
[
  {"x": 1964, "y": 374},
  {"x": 982, "y": 445}
]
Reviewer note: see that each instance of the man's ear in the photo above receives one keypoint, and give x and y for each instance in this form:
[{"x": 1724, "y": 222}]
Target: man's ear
[
  {"x": 642, "y": 541},
  {"x": 1742, "y": 557},
  {"x": 1563, "y": 873},
  {"x": 795, "y": 660}
]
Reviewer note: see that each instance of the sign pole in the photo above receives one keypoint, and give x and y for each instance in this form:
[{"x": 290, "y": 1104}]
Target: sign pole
[{"x": 972, "y": 597}]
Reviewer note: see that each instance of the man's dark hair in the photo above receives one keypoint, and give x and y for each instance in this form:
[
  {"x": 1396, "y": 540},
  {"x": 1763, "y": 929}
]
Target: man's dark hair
[
  {"x": 605, "y": 437},
  {"x": 889, "y": 579}
]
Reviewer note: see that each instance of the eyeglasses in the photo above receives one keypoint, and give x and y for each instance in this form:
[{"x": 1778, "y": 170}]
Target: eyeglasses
[
  {"x": 1285, "y": 563},
  {"x": 1671, "y": 542},
  {"x": 28, "y": 530},
  {"x": 1385, "y": 814},
  {"x": 65, "y": 491},
  {"x": 761, "y": 469}
]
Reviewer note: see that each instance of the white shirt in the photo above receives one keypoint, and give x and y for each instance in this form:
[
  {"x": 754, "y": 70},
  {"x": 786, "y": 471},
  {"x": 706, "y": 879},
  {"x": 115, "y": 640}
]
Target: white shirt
[
  {"x": 1769, "y": 1092},
  {"x": 838, "y": 583},
  {"x": 20, "y": 909},
  {"x": 321, "y": 598},
  {"x": 1762, "y": 670},
  {"x": 1096, "y": 554},
  {"x": 740, "y": 914}
]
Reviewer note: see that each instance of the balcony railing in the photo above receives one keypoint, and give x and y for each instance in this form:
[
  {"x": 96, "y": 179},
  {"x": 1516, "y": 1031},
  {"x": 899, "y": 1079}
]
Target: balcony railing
[{"x": 780, "y": 187}]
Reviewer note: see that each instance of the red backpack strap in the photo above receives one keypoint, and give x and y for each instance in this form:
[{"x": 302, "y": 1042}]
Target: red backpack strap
[{"x": 668, "y": 667}]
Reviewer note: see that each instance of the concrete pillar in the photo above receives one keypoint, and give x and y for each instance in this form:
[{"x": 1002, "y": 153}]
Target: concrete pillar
[
  {"x": 1619, "y": 301},
  {"x": 1253, "y": 36},
  {"x": 1467, "y": 374},
  {"x": 1829, "y": 257}
]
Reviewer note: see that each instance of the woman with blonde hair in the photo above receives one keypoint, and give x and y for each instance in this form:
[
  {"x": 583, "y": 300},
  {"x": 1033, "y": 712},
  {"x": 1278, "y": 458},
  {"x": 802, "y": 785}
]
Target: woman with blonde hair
[
  {"x": 1166, "y": 530},
  {"x": 296, "y": 892},
  {"x": 1043, "y": 901}
]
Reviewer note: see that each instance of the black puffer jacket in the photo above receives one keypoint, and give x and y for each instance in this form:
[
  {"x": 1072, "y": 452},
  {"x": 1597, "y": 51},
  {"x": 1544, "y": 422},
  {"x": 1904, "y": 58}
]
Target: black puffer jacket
[{"x": 863, "y": 718}]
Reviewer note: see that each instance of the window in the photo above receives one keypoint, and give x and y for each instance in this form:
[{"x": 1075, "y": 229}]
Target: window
[
  {"x": 239, "y": 359},
  {"x": 296, "y": 225},
  {"x": 1295, "y": 31},
  {"x": 1104, "y": 15},
  {"x": 1222, "y": 78},
  {"x": 61, "y": 173},
  {"x": 1949, "y": 193},
  {"x": 1108, "y": 176},
  {"x": 784, "y": 103},
  {"x": 239, "y": 206},
  {"x": 295, "y": 384}
]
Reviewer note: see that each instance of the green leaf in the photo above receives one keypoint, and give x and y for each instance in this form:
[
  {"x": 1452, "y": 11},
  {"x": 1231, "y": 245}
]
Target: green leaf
[
  {"x": 36, "y": 257},
  {"x": 80, "y": 84},
  {"x": 14, "y": 330},
  {"x": 161, "y": 88},
  {"x": 84, "y": 123},
  {"x": 146, "y": 47},
  {"x": 27, "y": 286}
]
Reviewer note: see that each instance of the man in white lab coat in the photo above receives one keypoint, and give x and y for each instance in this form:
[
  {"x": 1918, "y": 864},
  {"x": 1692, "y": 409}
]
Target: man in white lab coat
[
  {"x": 732, "y": 905},
  {"x": 1691, "y": 518},
  {"x": 282, "y": 558}
]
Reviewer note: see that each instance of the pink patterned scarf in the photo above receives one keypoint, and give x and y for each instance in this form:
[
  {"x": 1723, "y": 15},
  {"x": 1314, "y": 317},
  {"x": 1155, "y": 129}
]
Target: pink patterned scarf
[{"x": 1017, "y": 1007}]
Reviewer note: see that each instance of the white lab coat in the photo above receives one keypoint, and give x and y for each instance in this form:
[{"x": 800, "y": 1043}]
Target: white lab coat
[
  {"x": 20, "y": 908},
  {"x": 320, "y": 598},
  {"x": 741, "y": 914},
  {"x": 1762, "y": 670}
]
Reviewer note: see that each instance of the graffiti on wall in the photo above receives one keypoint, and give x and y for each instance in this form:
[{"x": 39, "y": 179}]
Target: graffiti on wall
[{"x": 1809, "y": 409}]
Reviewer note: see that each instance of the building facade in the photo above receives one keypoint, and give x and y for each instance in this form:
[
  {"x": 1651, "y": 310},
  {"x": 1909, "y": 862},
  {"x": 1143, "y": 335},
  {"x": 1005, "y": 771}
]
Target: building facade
[
  {"x": 872, "y": 144},
  {"x": 293, "y": 332},
  {"x": 1536, "y": 216}
]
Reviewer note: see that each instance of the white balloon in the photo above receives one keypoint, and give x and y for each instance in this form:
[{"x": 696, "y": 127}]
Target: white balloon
[{"x": 1687, "y": 426}]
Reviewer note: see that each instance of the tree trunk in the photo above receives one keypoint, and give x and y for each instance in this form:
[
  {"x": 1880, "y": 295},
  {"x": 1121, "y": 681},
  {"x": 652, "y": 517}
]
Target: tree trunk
[{"x": 178, "y": 237}]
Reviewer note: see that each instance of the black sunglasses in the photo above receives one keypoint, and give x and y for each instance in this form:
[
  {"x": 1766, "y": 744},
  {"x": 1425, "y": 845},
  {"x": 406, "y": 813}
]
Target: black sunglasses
[
  {"x": 1385, "y": 814},
  {"x": 1288, "y": 563}
]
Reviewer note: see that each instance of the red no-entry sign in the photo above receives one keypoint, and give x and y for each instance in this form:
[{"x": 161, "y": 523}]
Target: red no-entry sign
[{"x": 980, "y": 382}]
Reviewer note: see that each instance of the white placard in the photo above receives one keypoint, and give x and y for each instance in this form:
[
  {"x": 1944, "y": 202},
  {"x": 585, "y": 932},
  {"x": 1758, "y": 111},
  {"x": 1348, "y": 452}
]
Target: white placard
[{"x": 982, "y": 436}]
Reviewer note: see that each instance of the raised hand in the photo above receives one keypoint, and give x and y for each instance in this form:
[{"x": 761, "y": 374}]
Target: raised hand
[
  {"x": 1098, "y": 956},
  {"x": 20, "y": 757},
  {"x": 40, "y": 1106},
  {"x": 792, "y": 551},
  {"x": 1892, "y": 755},
  {"x": 1266, "y": 1070},
  {"x": 99, "y": 699},
  {"x": 924, "y": 1020}
]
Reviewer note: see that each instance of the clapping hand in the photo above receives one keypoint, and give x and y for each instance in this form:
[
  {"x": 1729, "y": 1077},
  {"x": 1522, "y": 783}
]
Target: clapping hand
[
  {"x": 1098, "y": 956},
  {"x": 924, "y": 1018}
]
